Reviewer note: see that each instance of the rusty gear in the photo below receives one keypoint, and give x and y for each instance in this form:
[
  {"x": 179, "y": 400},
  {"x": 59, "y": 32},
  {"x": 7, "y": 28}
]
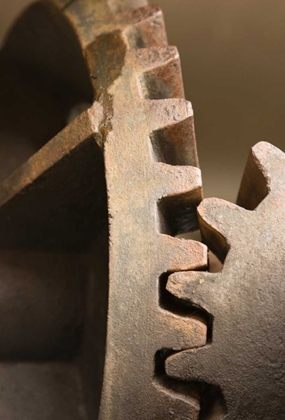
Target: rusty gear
[
  {"x": 245, "y": 354},
  {"x": 132, "y": 148}
]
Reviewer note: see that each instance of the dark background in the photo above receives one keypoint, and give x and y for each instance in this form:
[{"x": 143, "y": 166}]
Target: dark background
[{"x": 233, "y": 59}]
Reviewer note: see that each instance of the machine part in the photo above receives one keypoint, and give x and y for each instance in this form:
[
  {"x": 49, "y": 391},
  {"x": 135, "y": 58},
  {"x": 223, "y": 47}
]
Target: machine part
[
  {"x": 88, "y": 222},
  {"x": 245, "y": 355}
]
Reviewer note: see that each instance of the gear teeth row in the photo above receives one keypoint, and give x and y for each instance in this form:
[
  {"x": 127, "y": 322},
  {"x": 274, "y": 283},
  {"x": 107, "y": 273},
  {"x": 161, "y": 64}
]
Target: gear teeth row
[
  {"x": 148, "y": 184},
  {"x": 244, "y": 298},
  {"x": 92, "y": 20},
  {"x": 173, "y": 141},
  {"x": 147, "y": 138}
]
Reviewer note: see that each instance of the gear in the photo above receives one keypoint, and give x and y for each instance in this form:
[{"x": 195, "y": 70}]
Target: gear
[
  {"x": 245, "y": 355},
  {"x": 134, "y": 148}
]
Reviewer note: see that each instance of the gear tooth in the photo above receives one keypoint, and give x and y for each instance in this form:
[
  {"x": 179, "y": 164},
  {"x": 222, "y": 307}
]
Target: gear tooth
[
  {"x": 197, "y": 287},
  {"x": 182, "y": 254},
  {"x": 167, "y": 112},
  {"x": 193, "y": 365},
  {"x": 264, "y": 172},
  {"x": 161, "y": 76},
  {"x": 147, "y": 28},
  {"x": 180, "y": 332},
  {"x": 91, "y": 20},
  {"x": 219, "y": 220},
  {"x": 119, "y": 6},
  {"x": 217, "y": 214},
  {"x": 151, "y": 58},
  {"x": 138, "y": 15},
  {"x": 265, "y": 152},
  {"x": 178, "y": 401},
  {"x": 176, "y": 180}
]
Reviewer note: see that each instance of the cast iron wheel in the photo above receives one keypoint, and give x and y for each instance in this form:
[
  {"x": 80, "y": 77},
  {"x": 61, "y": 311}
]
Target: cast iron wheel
[{"x": 88, "y": 219}]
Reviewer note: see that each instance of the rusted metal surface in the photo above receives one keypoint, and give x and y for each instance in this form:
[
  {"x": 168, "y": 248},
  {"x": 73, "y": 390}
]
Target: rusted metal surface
[
  {"x": 244, "y": 359},
  {"x": 106, "y": 313},
  {"x": 109, "y": 193},
  {"x": 140, "y": 252}
]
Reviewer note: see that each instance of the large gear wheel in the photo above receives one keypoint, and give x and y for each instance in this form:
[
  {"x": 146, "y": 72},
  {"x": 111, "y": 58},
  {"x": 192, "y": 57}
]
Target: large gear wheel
[
  {"x": 88, "y": 222},
  {"x": 245, "y": 354}
]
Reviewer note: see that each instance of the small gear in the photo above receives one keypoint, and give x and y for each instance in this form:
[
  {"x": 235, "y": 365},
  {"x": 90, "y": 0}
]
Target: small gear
[{"x": 245, "y": 354}]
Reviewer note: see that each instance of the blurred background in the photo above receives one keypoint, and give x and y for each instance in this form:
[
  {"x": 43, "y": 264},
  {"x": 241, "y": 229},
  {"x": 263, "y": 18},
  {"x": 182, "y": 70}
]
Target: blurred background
[{"x": 233, "y": 60}]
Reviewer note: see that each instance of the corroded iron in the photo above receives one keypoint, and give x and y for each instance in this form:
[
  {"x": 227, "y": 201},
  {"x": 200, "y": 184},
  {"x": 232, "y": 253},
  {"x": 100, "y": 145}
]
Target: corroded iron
[
  {"x": 243, "y": 360},
  {"x": 105, "y": 312},
  {"x": 90, "y": 218}
]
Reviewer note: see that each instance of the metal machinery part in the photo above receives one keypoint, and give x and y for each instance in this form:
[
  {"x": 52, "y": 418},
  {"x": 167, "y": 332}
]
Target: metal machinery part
[
  {"x": 88, "y": 221},
  {"x": 105, "y": 312},
  {"x": 245, "y": 356}
]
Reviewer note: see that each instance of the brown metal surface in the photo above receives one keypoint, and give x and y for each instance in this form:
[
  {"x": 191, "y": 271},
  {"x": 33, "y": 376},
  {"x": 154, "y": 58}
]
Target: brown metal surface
[
  {"x": 106, "y": 313},
  {"x": 243, "y": 360},
  {"x": 88, "y": 223}
]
